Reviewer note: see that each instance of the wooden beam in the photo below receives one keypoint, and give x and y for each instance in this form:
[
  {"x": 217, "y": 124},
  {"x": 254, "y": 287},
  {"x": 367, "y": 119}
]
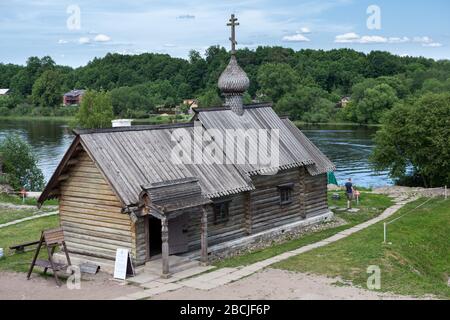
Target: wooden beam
[
  {"x": 248, "y": 212},
  {"x": 147, "y": 237},
  {"x": 204, "y": 236},
  {"x": 72, "y": 162},
  {"x": 165, "y": 247},
  {"x": 63, "y": 177}
]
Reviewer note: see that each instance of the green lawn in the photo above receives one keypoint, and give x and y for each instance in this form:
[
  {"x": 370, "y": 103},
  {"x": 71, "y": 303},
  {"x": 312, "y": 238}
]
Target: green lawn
[
  {"x": 8, "y": 215},
  {"x": 21, "y": 233},
  {"x": 28, "y": 201},
  {"x": 417, "y": 262},
  {"x": 371, "y": 205}
]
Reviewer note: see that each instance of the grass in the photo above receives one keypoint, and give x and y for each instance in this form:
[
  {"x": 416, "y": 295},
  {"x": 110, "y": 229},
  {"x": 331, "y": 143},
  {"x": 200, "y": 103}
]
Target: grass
[
  {"x": 21, "y": 233},
  {"x": 337, "y": 123},
  {"x": 159, "y": 119},
  {"x": 8, "y": 215},
  {"x": 7, "y": 198},
  {"x": 371, "y": 205},
  {"x": 38, "y": 118},
  {"x": 417, "y": 262}
]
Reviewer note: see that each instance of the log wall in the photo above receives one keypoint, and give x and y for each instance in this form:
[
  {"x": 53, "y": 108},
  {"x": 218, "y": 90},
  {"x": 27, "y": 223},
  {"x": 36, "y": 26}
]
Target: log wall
[
  {"x": 90, "y": 213},
  {"x": 260, "y": 209}
]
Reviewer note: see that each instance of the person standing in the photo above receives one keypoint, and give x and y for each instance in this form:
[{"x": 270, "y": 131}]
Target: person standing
[{"x": 349, "y": 192}]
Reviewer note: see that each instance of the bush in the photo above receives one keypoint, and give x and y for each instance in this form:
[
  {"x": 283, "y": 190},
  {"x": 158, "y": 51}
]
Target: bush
[
  {"x": 42, "y": 111},
  {"x": 23, "y": 109},
  {"x": 20, "y": 164},
  {"x": 4, "y": 112},
  {"x": 68, "y": 111}
]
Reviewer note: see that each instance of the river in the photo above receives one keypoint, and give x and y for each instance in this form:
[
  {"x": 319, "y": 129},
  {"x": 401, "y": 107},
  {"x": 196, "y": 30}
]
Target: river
[{"x": 347, "y": 146}]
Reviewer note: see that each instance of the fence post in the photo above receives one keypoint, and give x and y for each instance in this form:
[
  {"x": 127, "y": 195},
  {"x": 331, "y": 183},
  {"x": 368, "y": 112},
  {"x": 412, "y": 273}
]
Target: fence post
[
  {"x": 384, "y": 232},
  {"x": 445, "y": 193}
]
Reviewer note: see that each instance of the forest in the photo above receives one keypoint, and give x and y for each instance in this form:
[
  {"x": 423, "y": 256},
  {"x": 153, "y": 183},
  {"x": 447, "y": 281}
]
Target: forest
[{"x": 306, "y": 85}]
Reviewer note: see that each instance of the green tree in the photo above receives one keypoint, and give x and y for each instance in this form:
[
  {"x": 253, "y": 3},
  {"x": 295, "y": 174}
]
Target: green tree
[
  {"x": 95, "y": 111},
  {"x": 47, "y": 89},
  {"x": 277, "y": 79},
  {"x": 374, "y": 103},
  {"x": 414, "y": 141},
  {"x": 20, "y": 164},
  {"x": 305, "y": 100},
  {"x": 209, "y": 98}
]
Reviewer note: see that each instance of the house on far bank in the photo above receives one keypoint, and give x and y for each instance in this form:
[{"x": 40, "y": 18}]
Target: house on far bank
[
  {"x": 73, "y": 97},
  {"x": 4, "y": 92},
  {"x": 192, "y": 104},
  {"x": 343, "y": 102}
]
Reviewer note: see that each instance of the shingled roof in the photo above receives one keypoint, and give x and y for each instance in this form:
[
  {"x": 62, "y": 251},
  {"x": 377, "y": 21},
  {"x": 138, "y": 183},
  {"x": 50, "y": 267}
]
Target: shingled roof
[{"x": 132, "y": 158}]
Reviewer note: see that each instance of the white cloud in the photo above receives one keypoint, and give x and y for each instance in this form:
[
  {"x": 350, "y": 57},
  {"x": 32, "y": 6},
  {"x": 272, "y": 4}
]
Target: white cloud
[
  {"x": 296, "y": 38},
  {"x": 399, "y": 40},
  {"x": 355, "y": 38},
  {"x": 62, "y": 41},
  {"x": 169, "y": 45},
  {"x": 432, "y": 45},
  {"x": 186, "y": 16},
  {"x": 304, "y": 30},
  {"x": 346, "y": 38},
  {"x": 84, "y": 40},
  {"x": 423, "y": 39},
  {"x": 373, "y": 39},
  {"x": 102, "y": 38}
]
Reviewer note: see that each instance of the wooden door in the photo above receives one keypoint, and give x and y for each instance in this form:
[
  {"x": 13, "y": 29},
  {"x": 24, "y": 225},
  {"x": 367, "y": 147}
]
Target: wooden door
[{"x": 178, "y": 236}]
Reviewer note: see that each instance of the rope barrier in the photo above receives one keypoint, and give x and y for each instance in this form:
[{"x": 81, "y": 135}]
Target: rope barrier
[{"x": 385, "y": 224}]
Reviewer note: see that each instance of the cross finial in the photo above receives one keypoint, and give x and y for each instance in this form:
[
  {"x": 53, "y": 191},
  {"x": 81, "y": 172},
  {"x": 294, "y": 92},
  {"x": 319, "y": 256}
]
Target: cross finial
[{"x": 233, "y": 23}]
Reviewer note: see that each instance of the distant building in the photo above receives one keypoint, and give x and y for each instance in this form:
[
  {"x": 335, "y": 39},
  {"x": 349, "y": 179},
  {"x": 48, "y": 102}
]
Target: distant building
[
  {"x": 343, "y": 102},
  {"x": 4, "y": 92},
  {"x": 73, "y": 97},
  {"x": 192, "y": 104}
]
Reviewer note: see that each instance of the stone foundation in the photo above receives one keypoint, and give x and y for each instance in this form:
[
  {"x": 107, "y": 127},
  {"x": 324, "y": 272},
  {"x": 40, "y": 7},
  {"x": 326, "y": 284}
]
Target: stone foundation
[{"x": 271, "y": 237}]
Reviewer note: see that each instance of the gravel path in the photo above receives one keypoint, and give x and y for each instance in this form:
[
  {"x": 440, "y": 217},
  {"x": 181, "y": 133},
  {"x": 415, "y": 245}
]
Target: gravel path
[
  {"x": 15, "y": 286},
  {"x": 273, "y": 284}
]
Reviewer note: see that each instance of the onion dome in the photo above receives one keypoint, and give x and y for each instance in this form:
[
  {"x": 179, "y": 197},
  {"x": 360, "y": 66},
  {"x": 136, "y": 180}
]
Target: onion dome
[{"x": 233, "y": 79}]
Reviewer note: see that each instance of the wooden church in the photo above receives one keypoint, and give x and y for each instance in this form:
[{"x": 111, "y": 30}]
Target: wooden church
[{"x": 120, "y": 188}]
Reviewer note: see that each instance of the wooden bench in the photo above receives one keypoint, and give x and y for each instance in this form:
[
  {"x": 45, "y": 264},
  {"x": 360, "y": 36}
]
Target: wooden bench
[
  {"x": 21, "y": 247},
  {"x": 52, "y": 239}
]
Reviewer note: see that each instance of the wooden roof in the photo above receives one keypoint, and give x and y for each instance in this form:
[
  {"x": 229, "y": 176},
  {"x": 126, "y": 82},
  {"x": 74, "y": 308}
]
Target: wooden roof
[
  {"x": 174, "y": 195},
  {"x": 292, "y": 153},
  {"x": 134, "y": 158}
]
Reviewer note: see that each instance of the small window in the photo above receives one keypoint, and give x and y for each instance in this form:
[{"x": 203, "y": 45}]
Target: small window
[
  {"x": 221, "y": 211},
  {"x": 286, "y": 193}
]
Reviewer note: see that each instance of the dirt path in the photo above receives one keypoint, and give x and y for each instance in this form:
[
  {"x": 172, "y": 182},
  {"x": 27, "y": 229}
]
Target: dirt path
[
  {"x": 281, "y": 285},
  {"x": 15, "y": 286}
]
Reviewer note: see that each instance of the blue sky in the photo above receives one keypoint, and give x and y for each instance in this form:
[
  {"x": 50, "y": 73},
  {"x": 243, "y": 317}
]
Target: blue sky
[{"x": 51, "y": 27}]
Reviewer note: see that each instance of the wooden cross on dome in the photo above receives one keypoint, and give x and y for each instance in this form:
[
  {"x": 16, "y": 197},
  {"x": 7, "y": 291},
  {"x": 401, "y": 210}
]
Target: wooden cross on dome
[{"x": 233, "y": 23}]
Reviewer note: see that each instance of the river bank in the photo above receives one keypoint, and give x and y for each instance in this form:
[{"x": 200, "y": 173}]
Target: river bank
[{"x": 160, "y": 119}]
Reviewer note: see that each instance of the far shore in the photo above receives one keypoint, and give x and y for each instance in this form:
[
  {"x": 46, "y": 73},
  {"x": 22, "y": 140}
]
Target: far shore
[{"x": 153, "y": 120}]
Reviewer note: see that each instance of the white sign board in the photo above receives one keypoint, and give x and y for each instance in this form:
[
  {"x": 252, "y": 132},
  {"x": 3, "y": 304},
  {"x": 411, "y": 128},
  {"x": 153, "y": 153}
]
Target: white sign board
[{"x": 120, "y": 267}]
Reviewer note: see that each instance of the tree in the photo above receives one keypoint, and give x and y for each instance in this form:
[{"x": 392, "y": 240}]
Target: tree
[
  {"x": 20, "y": 164},
  {"x": 374, "y": 102},
  {"x": 96, "y": 110},
  {"x": 209, "y": 98},
  {"x": 414, "y": 141},
  {"x": 305, "y": 100},
  {"x": 47, "y": 89},
  {"x": 277, "y": 79}
]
